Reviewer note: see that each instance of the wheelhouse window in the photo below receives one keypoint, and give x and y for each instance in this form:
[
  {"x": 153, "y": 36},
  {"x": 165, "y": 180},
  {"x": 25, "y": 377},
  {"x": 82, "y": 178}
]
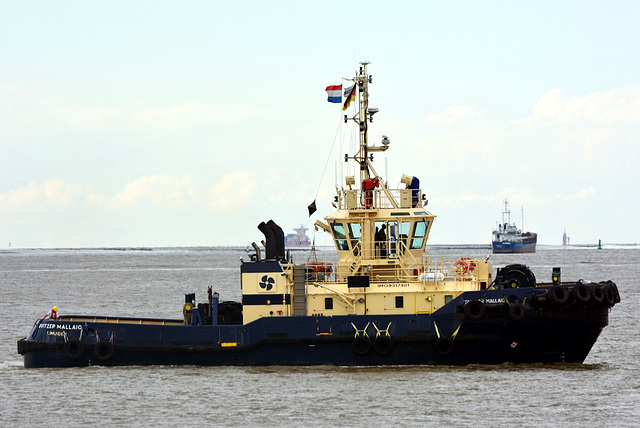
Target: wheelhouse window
[
  {"x": 393, "y": 235},
  {"x": 355, "y": 230},
  {"x": 405, "y": 229},
  {"x": 380, "y": 239},
  {"x": 340, "y": 236},
  {"x": 419, "y": 234},
  {"x": 355, "y": 234}
]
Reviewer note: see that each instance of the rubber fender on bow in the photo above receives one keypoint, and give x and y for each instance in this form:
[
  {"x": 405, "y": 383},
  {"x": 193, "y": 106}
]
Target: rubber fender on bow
[
  {"x": 516, "y": 311},
  {"x": 103, "y": 350},
  {"x": 540, "y": 300},
  {"x": 580, "y": 293},
  {"x": 516, "y": 276},
  {"x": 361, "y": 344},
  {"x": 597, "y": 296},
  {"x": 559, "y": 295},
  {"x": 616, "y": 293},
  {"x": 609, "y": 295},
  {"x": 444, "y": 346},
  {"x": 382, "y": 344},
  {"x": 73, "y": 348},
  {"x": 474, "y": 310}
]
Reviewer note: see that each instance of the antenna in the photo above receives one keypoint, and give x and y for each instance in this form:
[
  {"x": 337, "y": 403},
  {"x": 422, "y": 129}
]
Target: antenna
[{"x": 386, "y": 172}]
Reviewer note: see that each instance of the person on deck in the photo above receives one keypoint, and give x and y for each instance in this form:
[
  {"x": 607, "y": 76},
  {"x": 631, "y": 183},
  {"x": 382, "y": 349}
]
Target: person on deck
[
  {"x": 52, "y": 314},
  {"x": 382, "y": 238}
]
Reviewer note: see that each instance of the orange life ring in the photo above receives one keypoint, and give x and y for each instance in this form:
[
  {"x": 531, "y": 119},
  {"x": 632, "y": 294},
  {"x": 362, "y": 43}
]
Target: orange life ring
[{"x": 464, "y": 265}]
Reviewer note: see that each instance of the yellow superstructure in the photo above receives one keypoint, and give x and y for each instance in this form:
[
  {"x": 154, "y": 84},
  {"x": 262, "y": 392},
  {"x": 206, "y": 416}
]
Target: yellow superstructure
[{"x": 380, "y": 236}]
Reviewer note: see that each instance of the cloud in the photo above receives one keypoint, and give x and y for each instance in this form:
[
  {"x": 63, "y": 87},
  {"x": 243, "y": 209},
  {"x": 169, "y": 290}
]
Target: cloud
[
  {"x": 21, "y": 196},
  {"x": 582, "y": 194},
  {"x": 160, "y": 190},
  {"x": 455, "y": 113},
  {"x": 234, "y": 191},
  {"x": 606, "y": 108},
  {"x": 54, "y": 194},
  {"x": 65, "y": 194}
]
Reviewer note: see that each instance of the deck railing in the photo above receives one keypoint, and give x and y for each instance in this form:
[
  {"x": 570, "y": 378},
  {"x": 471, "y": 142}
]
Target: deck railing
[
  {"x": 373, "y": 199},
  {"x": 428, "y": 270}
]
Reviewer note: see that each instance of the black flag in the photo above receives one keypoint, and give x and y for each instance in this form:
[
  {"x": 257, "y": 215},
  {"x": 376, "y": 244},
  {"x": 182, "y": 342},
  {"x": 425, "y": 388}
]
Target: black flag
[{"x": 312, "y": 208}]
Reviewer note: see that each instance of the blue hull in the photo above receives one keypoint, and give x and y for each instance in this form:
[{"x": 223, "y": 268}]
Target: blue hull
[
  {"x": 514, "y": 247},
  {"x": 542, "y": 332}
]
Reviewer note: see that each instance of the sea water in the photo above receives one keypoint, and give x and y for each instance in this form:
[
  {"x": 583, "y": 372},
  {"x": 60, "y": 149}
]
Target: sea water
[{"x": 604, "y": 391}]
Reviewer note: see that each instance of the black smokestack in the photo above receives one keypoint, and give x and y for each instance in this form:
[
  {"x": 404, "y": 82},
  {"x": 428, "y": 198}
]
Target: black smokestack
[
  {"x": 270, "y": 241},
  {"x": 279, "y": 234}
]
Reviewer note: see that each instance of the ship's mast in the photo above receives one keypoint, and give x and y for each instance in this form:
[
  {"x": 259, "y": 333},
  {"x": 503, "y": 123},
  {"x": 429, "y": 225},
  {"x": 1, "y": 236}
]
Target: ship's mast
[
  {"x": 362, "y": 80},
  {"x": 507, "y": 212},
  {"x": 363, "y": 116}
]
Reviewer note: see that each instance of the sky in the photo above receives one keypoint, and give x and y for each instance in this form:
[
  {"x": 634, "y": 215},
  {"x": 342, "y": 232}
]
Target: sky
[{"x": 158, "y": 123}]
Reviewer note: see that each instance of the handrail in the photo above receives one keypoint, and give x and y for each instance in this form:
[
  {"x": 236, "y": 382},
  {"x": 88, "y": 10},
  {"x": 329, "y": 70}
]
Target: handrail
[
  {"x": 352, "y": 199},
  {"x": 348, "y": 300},
  {"x": 353, "y": 258}
]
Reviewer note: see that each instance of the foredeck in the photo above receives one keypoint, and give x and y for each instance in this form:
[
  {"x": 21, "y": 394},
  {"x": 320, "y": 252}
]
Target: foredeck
[{"x": 120, "y": 320}]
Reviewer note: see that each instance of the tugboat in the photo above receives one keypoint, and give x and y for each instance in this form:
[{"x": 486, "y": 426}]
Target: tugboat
[
  {"x": 507, "y": 238},
  {"x": 384, "y": 302}
]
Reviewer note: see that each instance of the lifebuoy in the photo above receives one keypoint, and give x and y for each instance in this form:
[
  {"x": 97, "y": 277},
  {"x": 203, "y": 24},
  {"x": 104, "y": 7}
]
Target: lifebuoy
[
  {"x": 382, "y": 344},
  {"x": 474, "y": 310},
  {"x": 464, "y": 265},
  {"x": 73, "y": 348},
  {"x": 558, "y": 295},
  {"x": 361, "y": 344},
  {"x": 516, "y": 311},
  {"x": 580, "y": 292},
  {"x": 103, "y": 350},
  {"x": 444, "y": 345}
]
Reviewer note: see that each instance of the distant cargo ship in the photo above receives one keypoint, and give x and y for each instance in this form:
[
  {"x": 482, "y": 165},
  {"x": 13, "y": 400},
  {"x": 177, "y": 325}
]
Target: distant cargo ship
[
  {"x": 298, "y": 239},
  {"x": 509, "y": 239}
]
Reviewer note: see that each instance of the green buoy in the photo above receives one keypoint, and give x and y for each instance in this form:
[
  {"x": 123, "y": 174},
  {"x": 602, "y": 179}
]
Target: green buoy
[{"x": 599, "y": 244}]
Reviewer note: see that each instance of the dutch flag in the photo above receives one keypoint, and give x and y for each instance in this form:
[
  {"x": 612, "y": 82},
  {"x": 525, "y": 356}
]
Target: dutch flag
[{"x": 334, "y": 93}]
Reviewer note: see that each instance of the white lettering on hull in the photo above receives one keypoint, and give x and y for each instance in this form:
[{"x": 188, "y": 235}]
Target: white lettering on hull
[{"x": 62, "y": 326}]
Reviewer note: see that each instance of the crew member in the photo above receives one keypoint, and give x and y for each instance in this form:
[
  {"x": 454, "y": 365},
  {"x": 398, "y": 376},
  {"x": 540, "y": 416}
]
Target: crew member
[
  {"x": 52, "y": 314},
  {"x": 381, "y": 237}
]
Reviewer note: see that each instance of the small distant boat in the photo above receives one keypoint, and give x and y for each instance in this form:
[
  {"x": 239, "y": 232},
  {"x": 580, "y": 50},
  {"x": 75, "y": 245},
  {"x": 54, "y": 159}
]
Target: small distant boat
[
  {"x": 298, "y": 239},
  {"x": 507, "y": 238}
]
